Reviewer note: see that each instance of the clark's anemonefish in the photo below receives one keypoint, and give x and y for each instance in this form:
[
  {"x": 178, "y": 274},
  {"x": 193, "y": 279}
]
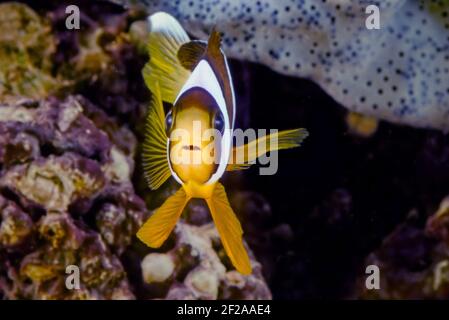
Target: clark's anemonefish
[{"x": 193, "y": 76}]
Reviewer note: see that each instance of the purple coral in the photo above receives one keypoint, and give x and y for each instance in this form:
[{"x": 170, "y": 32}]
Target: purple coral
[
  {"x": 69, "y": 186},
  {"x": 72, "y": 168}
]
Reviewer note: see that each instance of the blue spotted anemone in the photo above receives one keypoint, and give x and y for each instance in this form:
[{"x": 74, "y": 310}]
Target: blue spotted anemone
[{"x": 398, "y": 73}]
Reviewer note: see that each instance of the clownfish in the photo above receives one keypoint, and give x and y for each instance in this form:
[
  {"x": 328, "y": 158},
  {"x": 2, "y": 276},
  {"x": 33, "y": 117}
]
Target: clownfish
[{"x": 193, "y": 76}]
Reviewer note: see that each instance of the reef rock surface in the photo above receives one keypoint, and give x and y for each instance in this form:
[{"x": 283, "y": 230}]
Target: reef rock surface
[
  {"x": 66, "y": 198},
  {"x": 72, "y": 193},
  {"x": 413, "y": 261}
]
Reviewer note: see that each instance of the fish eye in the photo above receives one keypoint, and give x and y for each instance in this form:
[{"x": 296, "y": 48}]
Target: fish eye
[
  {"x": 168, "y": 121},
  {"x": 219, "y": 122}
]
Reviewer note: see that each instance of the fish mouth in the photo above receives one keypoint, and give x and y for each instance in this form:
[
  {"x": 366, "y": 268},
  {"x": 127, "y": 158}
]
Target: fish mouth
[{"x": 191, "y": 148}]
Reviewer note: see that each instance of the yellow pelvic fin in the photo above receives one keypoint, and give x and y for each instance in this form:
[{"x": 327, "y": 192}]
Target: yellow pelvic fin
[
  {"x": 159, "y": 226},
  {"x": 154, "y": 157},
  {"x": 242, "y": 157},
  {"x": 165, "y": 39},
  {"x": 229, "y": 229},
  {"x": 190, "y": 53}
]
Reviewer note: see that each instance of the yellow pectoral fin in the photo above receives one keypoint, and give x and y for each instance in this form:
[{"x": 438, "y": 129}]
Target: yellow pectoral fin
[
  {"x": 165, "y": 39},
  {"x": 154, "y": 156},
  {"x": 242, "y": 157},
  {"x": 229, "y": 229},
  {"x": 158, "y": 227},
  {"x": 236, "y": 166}
]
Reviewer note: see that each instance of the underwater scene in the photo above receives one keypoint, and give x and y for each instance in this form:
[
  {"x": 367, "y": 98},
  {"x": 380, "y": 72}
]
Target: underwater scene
[{"x": 224, "y": 150}]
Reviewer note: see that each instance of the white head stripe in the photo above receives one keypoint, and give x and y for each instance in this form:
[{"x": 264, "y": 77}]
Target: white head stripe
[{"x": 204, "y": 77}]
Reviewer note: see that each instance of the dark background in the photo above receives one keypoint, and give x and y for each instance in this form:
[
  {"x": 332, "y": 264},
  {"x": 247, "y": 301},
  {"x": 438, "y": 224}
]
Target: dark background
[{"x": 340, "y": 193}]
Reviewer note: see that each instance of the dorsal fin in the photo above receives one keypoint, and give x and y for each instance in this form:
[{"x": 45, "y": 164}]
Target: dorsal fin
[
  {"x": 165, "y": 38},
  {"x": 217, "y": 59},
  {"x": 214, "y": 43},
  {"x": 190, "y": 53}
]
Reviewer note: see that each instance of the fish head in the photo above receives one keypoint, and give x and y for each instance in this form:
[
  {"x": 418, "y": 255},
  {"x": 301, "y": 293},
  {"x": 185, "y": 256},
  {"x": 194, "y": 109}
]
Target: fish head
[{"x": 195, "y": 129}]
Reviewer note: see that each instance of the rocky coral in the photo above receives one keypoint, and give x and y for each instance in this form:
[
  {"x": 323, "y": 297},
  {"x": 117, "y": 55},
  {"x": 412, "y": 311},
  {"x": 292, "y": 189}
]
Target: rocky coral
[
  {"x": 67, "y": 199},
  {"x": 26, "y": 48},
  {"x": 67, "y": 168},
  {"x": 413, "y": 261},
  {"x": 16, "y": 225},
  {"x": 70, "y": 176},
  {"x": 42, "y": 272},
  {"x": 198, "y": 268}
]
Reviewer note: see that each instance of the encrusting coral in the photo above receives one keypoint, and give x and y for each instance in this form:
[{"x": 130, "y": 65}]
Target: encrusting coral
[
  {"x": 69, "y": 185},
  {"x": 413, "y": 261},
  {"x": 26, "y": 47},
  {"x": 198, "y": 258},
  {"x": 77, "y": 206},
  {"x": 65, "y": 175}
]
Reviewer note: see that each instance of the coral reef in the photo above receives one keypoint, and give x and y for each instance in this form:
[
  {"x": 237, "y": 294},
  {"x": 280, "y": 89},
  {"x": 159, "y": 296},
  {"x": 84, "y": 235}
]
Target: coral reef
[
  {"x": 413, "y": 261},
  {"x": 70, "y": 174},
  {"x": 66, "y": 200},
  {"x": 72, "y": 191},
  {"x": 199, "y": 261},
  {"x": 26, "y": 47},
  {"x": 395, "y": 73}
]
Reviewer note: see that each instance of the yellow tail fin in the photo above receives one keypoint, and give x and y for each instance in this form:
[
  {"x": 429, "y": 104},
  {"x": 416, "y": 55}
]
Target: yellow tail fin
[
  {"x": 229, "y": 229},
  {"x": 242, "y": 157},
  {"x": 158, "y": 227}
]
